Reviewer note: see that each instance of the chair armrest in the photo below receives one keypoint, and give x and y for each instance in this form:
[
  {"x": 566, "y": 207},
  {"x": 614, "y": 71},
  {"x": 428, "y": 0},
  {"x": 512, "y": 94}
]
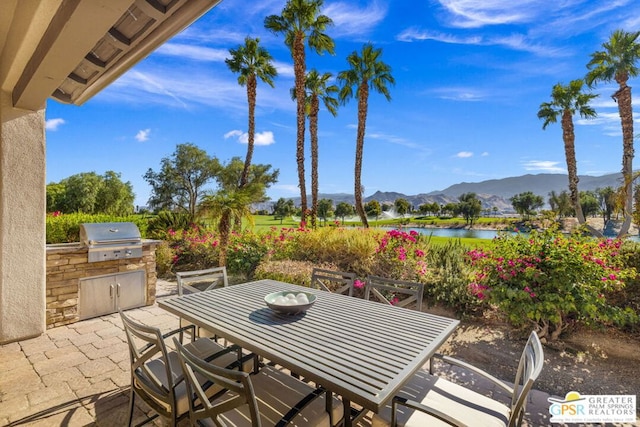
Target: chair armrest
[
  {"x": 289, "y": 416},
  {"x": 181, "y": 330},
  {"x": 457, "y": 362},
  {"x": 422, "y": 408}
]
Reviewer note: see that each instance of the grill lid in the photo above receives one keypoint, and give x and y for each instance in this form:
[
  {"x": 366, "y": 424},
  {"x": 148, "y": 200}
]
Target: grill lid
[{"x": 109, "y": 233}]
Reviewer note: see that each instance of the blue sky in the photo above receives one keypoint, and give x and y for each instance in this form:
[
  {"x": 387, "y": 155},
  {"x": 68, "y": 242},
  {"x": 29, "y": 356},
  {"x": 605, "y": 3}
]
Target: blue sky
[{"x": 470, "y": 77}]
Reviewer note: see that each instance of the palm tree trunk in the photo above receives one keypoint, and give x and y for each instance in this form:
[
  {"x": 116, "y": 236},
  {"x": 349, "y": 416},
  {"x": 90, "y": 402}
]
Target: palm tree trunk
[
  {"x": 363, "y": 96},
  {"x": 225, "y": 230},
  {"x": 251, "y": 99},
  {"x": 623, "y": 95},
  {"x": 568, "y": 135},
  {"x": 299, "y": 68},
  {"x": 313, "y": 130}
]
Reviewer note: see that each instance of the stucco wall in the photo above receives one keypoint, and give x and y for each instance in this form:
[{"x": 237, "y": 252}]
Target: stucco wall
[{"x": 22, "y": 224}]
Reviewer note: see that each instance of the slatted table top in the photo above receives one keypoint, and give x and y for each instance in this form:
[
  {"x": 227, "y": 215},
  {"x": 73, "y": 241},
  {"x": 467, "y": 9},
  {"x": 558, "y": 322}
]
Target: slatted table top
[{"x": 361, "y": 350}]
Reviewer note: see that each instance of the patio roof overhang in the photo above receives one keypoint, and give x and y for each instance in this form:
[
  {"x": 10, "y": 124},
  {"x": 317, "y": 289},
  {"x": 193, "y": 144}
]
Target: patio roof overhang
[{"x": 72, "y": 49}]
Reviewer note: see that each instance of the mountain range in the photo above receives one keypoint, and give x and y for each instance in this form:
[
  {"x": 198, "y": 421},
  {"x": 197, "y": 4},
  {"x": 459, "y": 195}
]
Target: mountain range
[{"x": 492, "y": 193}]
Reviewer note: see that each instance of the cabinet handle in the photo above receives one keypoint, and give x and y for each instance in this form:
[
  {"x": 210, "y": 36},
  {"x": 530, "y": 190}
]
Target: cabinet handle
[
  {"x": 110, "y": 291},
  {"x": 118, "y": 285}
]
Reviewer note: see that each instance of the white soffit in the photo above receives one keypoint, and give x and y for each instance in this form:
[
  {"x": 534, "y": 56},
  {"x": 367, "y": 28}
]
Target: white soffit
[{"x": 89, "y": 43}]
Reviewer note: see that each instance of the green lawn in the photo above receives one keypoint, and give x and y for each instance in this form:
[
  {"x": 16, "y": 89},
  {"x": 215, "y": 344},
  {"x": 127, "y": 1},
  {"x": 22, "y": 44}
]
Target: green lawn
[{"x": 265, "y": 222}]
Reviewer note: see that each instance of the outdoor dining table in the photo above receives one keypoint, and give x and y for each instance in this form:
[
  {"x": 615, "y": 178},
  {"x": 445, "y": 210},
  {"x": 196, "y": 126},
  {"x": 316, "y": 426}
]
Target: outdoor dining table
[{"x": 363, "y": 351}]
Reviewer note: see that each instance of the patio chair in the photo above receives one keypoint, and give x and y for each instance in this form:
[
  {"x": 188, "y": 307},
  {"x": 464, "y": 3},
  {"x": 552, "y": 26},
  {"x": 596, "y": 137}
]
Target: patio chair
[
  {"x": 190, "y": 282},
  {"x": 333, "y": 281},
  {"x": 431, "y": 400},
  {"x": 266, "y": 398},
  {"x": 400, "y": 293},
  {"x": 201, "y": 280},
  {"x": 156, "y": 376}
]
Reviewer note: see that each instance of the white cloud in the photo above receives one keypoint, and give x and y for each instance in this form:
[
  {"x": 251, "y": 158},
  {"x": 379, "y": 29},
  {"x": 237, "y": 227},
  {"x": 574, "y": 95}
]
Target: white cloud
[
  {"x": 232, "y": 133},
  {"x": 479, "y": 13},
  {"x": 464, "y": 154},
  {"x": 465, "y": 94},
  {"x": 143, "y": 135},
  {"x": 53, "y": 124},
  {"x": 198, "y": 53},
  {"x": 484, "y": 154},
  {"x": 515, "y": 41},
  {"x": 260, "y": 138},
  {"x": 350, "y": 20},
  {"x": 543, "y": 165}
]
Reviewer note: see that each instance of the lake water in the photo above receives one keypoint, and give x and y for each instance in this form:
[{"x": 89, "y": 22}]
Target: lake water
[{"x": 457, "y": 232}]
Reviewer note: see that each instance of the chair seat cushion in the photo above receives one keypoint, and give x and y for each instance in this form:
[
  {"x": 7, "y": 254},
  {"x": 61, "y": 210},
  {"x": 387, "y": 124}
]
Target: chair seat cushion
[
  {"x": 202, "y": 348},
  {"x": 276, "y": 393},
  {"x": 467, "y": 406}
]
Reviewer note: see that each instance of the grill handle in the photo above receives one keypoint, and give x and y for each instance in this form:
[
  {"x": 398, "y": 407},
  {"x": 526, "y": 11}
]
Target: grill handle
[{"x": 98, "y": 242}]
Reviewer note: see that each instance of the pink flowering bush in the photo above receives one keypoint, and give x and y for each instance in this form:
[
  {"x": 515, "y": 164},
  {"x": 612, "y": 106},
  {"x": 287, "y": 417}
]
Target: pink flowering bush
[
  {"x": 401, "y": 255},
  {"x": 552, "y": 281}
]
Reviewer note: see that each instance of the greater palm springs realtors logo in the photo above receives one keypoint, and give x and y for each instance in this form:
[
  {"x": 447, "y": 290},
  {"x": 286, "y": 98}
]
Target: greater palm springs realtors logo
[{"x": 593, "y": 408}]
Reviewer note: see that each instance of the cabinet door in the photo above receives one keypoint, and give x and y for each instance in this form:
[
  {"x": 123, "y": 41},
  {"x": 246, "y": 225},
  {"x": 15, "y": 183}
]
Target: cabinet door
[
  {"x": 131, "y": 289},
  {"x": 96, "y": 296}
]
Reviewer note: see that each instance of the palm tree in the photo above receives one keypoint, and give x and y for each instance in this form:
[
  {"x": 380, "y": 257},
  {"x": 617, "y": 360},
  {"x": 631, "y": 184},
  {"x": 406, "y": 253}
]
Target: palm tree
[
  {"x": 252, "y": 62},
  {"x": 618, "y": 62},
  {"x": 317, "y": 89},
  {"x": 565, "y": 102},
  {"x": 224, "y": 207},
  {"x": 300, "y": 20},
  {"x": 367, "y": 72}
]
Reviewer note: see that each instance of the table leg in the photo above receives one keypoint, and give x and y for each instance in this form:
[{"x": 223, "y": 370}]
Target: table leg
[{"x": 347, "y": 412}]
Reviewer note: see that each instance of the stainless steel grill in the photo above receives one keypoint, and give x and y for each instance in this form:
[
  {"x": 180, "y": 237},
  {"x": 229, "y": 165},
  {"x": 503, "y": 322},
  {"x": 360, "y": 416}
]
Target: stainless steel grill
[{"x": 111, "y": 240}]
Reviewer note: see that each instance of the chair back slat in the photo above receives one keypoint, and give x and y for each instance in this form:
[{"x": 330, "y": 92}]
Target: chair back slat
[
  {"x": 412, "y": 292},
  {"x": 201, "y": 280},
  {"x": 200, "y": 405},
  {"x": 333, "y": 281},
  {"x": 529, "y": 369}
]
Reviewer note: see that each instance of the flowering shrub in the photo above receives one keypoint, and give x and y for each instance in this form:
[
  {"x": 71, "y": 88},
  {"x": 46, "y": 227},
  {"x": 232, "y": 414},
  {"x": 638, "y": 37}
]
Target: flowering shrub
[
  {"x": 552, "y": 281},
  {"x": 401, "y": 255}
]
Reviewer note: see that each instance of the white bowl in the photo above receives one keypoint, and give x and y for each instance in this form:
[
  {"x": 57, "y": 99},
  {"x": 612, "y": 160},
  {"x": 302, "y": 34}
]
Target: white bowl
[{"x": 289, "y": 308}]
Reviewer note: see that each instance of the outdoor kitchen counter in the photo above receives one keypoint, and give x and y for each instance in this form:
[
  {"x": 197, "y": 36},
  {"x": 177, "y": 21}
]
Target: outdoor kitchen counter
[{"x": 68, "y": 266}]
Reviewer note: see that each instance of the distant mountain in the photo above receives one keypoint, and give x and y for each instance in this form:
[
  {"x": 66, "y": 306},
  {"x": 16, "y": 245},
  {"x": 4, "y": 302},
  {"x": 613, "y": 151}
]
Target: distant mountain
[{"x": 492, "y": 193}]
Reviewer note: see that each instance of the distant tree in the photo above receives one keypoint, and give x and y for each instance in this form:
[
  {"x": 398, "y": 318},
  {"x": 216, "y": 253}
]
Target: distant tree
[
  {"x": 561, "y": 204},
  {"x": 182, "y": 178},
  {"x": 325, "y": 209},
  {"x": 344, "y": 209},
  {"x": 283, "y": 208},
  {"x": 425, "y": 209},
  {"x": 402, "y": 206},
  {"x": 606, "y": 202},
  {"x": 495, "y": 210},
  {"x": 589, "y": 203},
  {"x": 618, "y": 61},
  {"x": 526, "y": 203},
  {"x": 367, "y": 71},
  {"x": 566, "y": 101},
  {"x": 470, "y": 207},
  {"x": 372, "y": 208},
  {"x": 300, "y": 21},
  {"x": 114, "y": 196},
  {"x": 251, "y": 62},
  {"x": 88, "y": 192},
  {"x": 223, "y": 207},
  {"x": 450, "y": 209}
]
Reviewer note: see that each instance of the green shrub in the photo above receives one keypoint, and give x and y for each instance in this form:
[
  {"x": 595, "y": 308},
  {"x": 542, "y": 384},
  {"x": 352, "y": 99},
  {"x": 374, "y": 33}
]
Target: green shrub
[
  {"x": 297, "y": 272},
  {"x": 347, "y": 249},
  {"x": 553, "y": 281},
  {"x": 65, "y": 228},
  {"x": 451, "y": 273},
  {"x": 166, "y": 221}
]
